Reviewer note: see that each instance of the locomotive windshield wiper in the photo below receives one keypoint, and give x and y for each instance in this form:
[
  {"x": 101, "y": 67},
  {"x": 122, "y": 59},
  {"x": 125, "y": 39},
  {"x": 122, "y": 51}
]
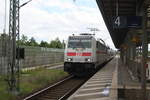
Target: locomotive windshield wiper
[{"x": 80, "y": 43}]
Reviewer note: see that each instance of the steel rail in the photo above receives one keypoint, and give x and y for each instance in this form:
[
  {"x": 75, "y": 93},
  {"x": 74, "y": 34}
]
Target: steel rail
[{"x": 45, "y": 89}]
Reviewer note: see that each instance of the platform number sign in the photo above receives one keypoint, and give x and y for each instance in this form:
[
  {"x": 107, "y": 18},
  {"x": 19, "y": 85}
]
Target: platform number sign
[
  {"x": 120, "y": 22},
  {"x": 117, "y": 21}
]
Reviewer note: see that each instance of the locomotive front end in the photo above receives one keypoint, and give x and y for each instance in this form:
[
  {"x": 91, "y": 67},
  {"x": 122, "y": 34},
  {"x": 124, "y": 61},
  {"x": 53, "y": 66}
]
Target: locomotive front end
[{"x": 79, "y": 55}]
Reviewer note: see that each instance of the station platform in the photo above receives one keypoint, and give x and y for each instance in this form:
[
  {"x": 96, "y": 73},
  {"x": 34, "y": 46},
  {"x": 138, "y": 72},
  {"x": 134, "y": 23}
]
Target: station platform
[
  {"x": 113, "y": 82},
  {"x": 101, "y": 85}
]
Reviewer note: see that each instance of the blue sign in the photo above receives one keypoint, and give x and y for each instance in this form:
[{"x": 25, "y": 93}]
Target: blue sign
[
  {"x": 134, "y": 21},
  {"x": 127, "y": 22}
]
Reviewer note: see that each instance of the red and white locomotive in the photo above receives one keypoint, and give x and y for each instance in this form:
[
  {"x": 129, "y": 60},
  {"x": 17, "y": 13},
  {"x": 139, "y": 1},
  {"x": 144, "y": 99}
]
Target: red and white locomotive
[{"x": 83, "y": 54}]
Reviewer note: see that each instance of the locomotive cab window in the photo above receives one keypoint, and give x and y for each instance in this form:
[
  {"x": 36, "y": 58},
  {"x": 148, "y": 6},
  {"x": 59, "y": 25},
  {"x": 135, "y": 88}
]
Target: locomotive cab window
[{"x": 79, "y": 44}]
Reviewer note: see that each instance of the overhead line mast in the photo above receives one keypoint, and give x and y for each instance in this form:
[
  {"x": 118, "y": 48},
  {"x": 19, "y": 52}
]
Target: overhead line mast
[
  {"x": 13, "y": 60},
  {"x": 13, "y": 68}
]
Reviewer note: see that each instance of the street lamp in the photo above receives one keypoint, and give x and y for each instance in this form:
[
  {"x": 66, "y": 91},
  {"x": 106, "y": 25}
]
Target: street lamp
[{"x": 25, "y": 3}]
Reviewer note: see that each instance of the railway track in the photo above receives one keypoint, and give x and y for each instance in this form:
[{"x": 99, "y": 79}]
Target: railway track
[{"x": 58, "y": 91}]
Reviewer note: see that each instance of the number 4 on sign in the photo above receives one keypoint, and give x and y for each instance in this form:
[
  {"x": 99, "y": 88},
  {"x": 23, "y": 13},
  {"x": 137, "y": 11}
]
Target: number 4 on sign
[{"x": 117, "y": 21}]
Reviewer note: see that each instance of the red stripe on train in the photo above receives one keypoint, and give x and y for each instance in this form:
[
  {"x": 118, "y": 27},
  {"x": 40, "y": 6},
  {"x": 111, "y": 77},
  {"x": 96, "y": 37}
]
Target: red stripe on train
[
  {"x": 71, "y": 54},
  {"x": 86, "y": 54},
  {"x": 101, "y": 52},
  {"x": 79, "y": 54}
]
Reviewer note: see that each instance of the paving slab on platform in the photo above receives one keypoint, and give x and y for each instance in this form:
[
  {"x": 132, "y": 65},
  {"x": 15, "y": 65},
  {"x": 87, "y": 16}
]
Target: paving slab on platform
[{"x": 99, "y": 87}]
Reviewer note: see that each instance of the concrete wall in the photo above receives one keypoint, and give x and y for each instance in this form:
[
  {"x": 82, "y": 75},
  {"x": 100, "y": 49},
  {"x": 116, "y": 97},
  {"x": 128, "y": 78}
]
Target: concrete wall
[
  {"x": 0, "y": 48},
  {"x": 34, "y": 56},
  {"x": 37, "y": 56},
  {"x": 3, "y": 59},
  {"x": 1, "y": 56}
]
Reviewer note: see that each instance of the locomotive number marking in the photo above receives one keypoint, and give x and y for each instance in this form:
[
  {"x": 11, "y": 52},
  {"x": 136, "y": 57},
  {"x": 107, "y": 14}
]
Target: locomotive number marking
[{"x": 79, "y": 54}]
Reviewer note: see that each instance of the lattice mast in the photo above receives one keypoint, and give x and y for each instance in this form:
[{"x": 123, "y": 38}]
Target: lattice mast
[{"x": 13, "y": 60}]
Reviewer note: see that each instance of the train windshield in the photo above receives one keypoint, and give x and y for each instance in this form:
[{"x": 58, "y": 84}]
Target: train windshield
[{"x": 79, "y": 44}]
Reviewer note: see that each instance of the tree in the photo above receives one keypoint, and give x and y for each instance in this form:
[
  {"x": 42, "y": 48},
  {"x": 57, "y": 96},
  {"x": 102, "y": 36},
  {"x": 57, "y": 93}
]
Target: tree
[
  {"x": 56, "y": 43},
  {"x": 32, "y": 42},
  {"x": 44, "y": 44},
  {"x": 4, "y": 36},
  {"x": 23, "y": 40}
]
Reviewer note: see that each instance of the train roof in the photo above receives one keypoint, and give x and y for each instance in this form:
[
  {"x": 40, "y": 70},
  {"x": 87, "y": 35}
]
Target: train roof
[{"x": 87, "y": 34}]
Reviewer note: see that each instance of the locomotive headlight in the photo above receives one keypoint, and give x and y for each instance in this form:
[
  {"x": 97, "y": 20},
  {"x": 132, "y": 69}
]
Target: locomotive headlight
[
  {"x": 69, "y": 59},
  {"x": 88, "y": 59}
]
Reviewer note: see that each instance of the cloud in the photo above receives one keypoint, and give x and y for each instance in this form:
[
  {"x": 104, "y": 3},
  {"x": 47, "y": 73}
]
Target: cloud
[{"x": 48, "y": 19}]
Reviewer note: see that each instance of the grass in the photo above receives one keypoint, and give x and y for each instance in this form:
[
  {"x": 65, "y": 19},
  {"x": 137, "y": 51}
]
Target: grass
[
  {"x": 31, "y": 81},
  {"x": 4, "y": 95}
]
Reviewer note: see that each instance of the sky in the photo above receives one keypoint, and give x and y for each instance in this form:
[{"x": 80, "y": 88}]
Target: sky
[{"x": 49, "y": 19}]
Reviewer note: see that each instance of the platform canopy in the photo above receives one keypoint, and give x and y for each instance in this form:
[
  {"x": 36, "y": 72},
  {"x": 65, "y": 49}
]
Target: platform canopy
[{"x": 112, "y": 10}]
